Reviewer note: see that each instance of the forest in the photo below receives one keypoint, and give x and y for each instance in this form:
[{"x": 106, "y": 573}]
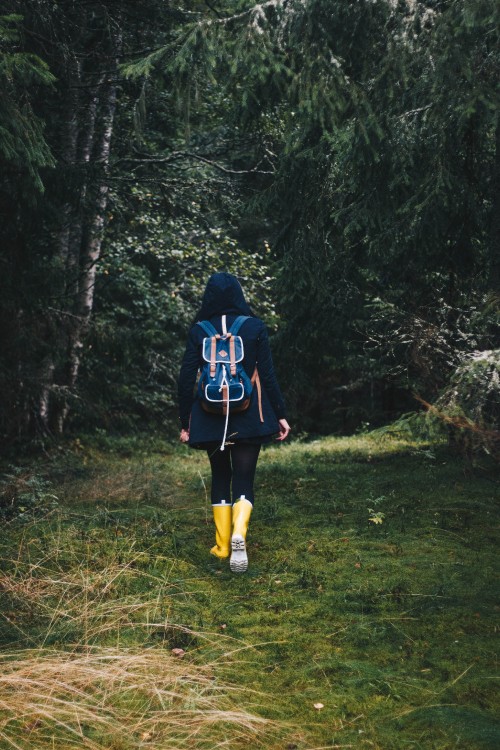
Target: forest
[{"x": 342, "y": 159}]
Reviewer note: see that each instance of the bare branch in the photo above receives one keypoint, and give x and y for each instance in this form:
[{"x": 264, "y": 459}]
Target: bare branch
[
  {"x": 255, "y": 10},
  {"x": 189, "y": 155},
  {"x": 412, "y": 112}
]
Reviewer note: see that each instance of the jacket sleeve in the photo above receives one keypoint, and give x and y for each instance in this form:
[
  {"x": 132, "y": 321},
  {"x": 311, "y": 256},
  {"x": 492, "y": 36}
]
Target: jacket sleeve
[
  {"x": 187, "y": 379},
  {"x": 267, "y": 375}
]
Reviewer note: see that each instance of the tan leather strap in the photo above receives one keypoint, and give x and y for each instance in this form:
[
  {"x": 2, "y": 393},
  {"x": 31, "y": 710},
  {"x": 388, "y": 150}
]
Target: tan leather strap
[
  {"x": 213, "y": 350},
  {"x": 224, "y": 399},
  {"x": 232, "y": 355},
  {"x": 255, "y": 380}
]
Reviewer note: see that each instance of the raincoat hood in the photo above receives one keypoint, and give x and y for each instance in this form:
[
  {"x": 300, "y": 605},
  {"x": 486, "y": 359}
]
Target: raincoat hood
[{"x": 223, "y": 295}]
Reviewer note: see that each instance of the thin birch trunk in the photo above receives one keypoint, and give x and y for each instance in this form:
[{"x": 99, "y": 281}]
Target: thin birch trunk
[
  {"x": 91, "y": 246},
  {"x": 92, "y": 250},
  {"x": 84, "y": 152},
  {"x": 495, "y": 214}
]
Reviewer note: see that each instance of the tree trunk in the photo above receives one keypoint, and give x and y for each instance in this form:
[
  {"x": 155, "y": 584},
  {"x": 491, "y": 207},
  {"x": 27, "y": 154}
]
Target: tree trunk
[
  {"x": 84, "y": 155},
  {"x": 495, "y": 217},
  {"x": 85, "y": 146},
  {"x": 68, "y": 157},
  {"x": 87, "y": 233}
]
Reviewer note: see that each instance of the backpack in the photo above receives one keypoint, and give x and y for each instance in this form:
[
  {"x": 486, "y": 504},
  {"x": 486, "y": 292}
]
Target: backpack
[{"x": 224, "y": 385}]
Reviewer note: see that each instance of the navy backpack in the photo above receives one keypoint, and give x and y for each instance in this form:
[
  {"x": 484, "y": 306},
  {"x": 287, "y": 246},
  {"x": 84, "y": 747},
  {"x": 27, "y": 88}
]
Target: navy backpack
[{"x": 224, "y": 385}]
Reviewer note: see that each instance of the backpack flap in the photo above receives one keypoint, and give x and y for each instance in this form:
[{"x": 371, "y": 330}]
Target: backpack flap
[{"x": 218, "y": 350}]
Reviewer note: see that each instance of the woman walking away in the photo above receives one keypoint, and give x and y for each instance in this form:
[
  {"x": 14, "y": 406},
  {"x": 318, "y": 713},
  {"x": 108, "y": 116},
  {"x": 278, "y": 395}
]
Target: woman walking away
[{"x": 236, "y": 408}]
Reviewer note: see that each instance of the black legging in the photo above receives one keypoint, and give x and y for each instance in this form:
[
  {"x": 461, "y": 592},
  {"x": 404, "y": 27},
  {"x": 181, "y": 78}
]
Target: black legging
[{"x": 236, "y": 462}]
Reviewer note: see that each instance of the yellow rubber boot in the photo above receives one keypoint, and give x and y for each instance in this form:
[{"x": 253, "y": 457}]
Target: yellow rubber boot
[
  {"x": 222, "y": 518},
  {"x": 242, "y": 510}
]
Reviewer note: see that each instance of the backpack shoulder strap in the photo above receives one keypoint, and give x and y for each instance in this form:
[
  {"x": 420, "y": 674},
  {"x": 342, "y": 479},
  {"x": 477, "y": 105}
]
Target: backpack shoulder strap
[
  {"x": 237, "y": 324},
  {"x": 207, "y": 327},
  {"x": 213, "y": 335}
]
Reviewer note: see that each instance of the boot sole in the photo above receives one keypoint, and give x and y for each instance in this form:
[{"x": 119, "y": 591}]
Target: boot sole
[{"x": 239, "y": 559}]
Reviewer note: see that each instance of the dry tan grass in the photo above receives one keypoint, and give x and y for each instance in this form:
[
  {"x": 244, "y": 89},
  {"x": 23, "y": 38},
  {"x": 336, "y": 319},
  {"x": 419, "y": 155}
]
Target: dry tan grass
[
  {"x": 95, "y": 696},
  {"x": 89, "y": 602},
  {"x": 84, "y": 599},
  {"x": 119, "y": 698}
]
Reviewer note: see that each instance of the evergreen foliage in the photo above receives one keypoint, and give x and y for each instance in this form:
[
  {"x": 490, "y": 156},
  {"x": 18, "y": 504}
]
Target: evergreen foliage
[
  {"x": 23, "y": 147},
  {"x": 379, "y": 122},
  {"x": 143, "y": 149}
]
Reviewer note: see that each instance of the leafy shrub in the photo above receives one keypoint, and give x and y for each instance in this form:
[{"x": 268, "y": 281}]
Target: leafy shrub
[
  {"x": 148, "y": 291},
  {"x": 470, "y": 404},
  {"x": 25, "y": 496}
]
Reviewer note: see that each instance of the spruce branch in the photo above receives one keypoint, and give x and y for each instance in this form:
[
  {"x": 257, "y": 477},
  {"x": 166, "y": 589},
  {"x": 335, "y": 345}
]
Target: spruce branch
[{"x": 213, "y": 9}]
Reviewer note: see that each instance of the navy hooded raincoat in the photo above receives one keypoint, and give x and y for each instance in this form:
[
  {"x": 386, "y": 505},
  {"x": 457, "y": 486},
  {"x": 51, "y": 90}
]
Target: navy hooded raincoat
[{"x": 224, "y": 296}]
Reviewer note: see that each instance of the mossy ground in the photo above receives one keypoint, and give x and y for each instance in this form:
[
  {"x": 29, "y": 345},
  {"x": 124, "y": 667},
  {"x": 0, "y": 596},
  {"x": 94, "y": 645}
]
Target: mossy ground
[{"x": 371, "y": 586}]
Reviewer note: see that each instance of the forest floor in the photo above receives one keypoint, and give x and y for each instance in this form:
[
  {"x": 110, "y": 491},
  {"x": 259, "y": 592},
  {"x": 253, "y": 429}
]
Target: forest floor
[{"x": 367, "y": 618}]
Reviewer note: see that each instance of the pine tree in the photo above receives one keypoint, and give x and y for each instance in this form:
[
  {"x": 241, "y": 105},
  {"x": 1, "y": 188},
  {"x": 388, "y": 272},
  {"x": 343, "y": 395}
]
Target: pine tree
[
  {"x": 379, "y": 123},
  {"x": 52, "y": 252}
]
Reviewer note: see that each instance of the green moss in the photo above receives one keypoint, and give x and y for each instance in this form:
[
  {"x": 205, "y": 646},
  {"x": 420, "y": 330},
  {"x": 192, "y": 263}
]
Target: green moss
[{"x": 390, "y": 624}]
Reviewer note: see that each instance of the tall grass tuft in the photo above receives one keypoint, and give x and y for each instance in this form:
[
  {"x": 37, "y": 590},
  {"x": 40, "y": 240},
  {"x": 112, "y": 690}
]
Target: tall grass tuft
[
  {"x": 90, "y": 660},
  {"x": 119, "y": 699}
]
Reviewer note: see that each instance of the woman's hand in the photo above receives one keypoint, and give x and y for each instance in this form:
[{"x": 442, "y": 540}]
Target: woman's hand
[
  {"x": 284, "y": 430},
  {"x": 184, "y": 436}
]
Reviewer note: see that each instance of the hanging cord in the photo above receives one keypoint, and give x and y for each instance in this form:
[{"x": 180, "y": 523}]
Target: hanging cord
[{"x": 224, "y": 380}]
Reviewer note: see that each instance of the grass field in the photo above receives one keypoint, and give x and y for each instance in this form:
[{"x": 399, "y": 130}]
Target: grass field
[{"x": 367, "y": 618}]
